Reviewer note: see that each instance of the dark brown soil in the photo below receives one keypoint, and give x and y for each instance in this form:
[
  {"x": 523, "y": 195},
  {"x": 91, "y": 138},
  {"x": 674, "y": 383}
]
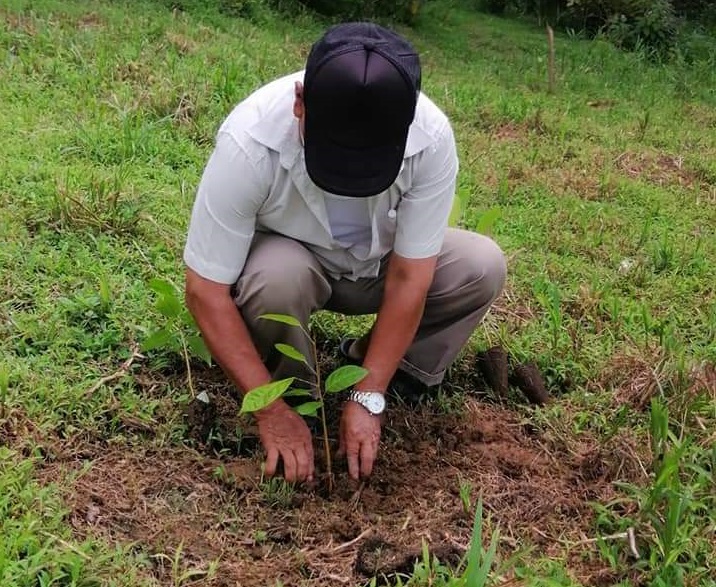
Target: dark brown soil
[
  {"x": 378, "y": 558},
  {"x": 212, "y": 504},
  {"x": 529, "y": 379},
  {"x": 493, "y": 365}
]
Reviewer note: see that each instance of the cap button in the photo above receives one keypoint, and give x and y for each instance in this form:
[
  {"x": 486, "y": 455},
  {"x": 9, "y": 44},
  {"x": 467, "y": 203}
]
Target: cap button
[{"x": 369, "y": 45}]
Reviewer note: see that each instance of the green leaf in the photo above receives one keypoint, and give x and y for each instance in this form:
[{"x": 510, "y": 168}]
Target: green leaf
[
  {"x": 286, "y": 319},
  {"x": 459, "y": 205},
  {"x": 298, "y": 393},
  {"x": 198, "y": 347},
  {"x": 158, "y": 339},
  {"x": 343, "y": 377},
  {"x": 264, "y": 395},
  {"x": 479, "y": 560},
  {"x": 4, "y": 381},
  {"x": 473, "y": 556},
  {"x": 309, "y": 408},
  {"x": 188, "y": 319},
  {"x": 169, "y": 306},
  {"x": 487, "y": 220},
  {"x": 487, "y": 558},
  {"x": 291, "y": 352},
  {"x": 162, "y": 287}
]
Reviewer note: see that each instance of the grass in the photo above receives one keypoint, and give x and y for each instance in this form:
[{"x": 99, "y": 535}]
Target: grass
[{"x": 603, "y": 195}]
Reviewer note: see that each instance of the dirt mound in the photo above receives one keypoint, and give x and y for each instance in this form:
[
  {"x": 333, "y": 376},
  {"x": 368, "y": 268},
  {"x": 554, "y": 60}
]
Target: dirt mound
[{"x": 219, "y": 510}]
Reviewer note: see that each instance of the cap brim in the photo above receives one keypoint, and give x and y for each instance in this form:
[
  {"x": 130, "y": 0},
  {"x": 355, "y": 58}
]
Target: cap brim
[{"x": 350, "y": 171}]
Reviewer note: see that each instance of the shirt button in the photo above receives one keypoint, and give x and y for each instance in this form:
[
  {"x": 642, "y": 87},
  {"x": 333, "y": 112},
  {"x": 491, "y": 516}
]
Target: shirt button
[{"x": 392, "y": 214}]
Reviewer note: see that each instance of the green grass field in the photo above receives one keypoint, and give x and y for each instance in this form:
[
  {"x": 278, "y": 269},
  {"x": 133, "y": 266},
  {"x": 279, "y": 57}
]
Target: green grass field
[{"x": 602, "y": 194}]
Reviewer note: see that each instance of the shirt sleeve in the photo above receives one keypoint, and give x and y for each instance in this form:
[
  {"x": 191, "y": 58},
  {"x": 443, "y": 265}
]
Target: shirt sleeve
[
  {"x": 223, "y": 218},
  {"x": 424, "y": 210}
]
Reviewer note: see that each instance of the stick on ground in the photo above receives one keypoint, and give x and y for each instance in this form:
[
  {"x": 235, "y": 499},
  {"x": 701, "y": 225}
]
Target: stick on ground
[{"x": 121, "y": 372}]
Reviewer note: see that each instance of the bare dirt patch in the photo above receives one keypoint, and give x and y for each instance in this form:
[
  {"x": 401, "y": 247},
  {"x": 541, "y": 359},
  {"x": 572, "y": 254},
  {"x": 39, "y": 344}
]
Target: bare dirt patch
[
  {"x": 216, "y": 509},
  {"x": 658, "y": 168},
  {"x": 90, "y": 20},
  {"x": 510, "y": 131},
  {"x": 182, "y": 44},
  {"x": 635, "y": 378}
]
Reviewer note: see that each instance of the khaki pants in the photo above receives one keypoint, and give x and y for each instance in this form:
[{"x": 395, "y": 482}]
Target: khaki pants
[{"x": 282, "y": 276}]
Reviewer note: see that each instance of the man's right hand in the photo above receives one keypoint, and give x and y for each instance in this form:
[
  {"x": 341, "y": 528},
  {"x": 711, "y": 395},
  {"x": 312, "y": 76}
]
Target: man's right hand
[{"x": 284, "y": 434}]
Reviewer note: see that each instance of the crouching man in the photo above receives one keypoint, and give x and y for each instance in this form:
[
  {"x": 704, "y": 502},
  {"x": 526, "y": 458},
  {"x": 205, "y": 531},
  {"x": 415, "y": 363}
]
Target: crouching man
[{"x": 331, "y": 188}]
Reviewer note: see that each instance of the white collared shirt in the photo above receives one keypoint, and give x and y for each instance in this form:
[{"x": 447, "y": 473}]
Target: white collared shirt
[{"x": 256, "y": 180}]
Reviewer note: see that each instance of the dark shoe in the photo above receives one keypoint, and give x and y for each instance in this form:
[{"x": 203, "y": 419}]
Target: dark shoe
[
  {"x": 408, "y": 389},
  {"x": 344, "y": 350}
]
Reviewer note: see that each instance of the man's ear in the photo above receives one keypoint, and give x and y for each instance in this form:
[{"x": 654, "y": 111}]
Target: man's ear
[{"x": 298, "y": 108}]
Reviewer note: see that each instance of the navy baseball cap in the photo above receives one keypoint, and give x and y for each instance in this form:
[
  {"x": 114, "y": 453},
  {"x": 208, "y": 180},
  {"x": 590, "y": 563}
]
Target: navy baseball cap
[{"x": 361, "y": 88}]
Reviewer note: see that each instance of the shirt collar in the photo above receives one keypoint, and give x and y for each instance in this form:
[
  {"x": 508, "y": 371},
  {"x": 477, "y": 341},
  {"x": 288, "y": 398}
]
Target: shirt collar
[{"x": 279, "y": 132}]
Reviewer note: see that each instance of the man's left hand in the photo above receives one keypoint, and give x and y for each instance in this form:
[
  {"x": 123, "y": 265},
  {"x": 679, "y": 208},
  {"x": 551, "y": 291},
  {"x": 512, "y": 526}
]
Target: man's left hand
[{"x": 359, "y": 439}]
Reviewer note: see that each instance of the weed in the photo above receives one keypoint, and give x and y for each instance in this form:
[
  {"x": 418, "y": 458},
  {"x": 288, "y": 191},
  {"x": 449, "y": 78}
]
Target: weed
[
  {"x": 465, "y": 489},
  {"x": 277, "y": 492},
  {"x": 663, "y": 256},
  {"x": 643, "y": 125},
  {"x": 36, "y": 546},
  {"x": 179, "y": 333},
  {"x": 180, "y": 574},
  {"x": 669, "y": 507},
  {"x": 4, "y": 388},
  {"x": 100, "y": 204},
  {"x": 548, "y": 294},
  {"x": 473, "y": 571}
]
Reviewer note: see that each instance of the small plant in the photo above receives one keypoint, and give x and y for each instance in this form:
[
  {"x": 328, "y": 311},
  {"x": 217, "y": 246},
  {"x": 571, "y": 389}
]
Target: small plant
[
  {"x": 548, "y": 294},
  {"x": 4, "y": 388},
  {"x": 277, "y": 492},
  {"x": 339, "y": 380},
  {"x": 466, "y": 495},
  {"x": 180, "y": 333},
  {"x": 488, "y": 220},
  {"x": 180, "y": 573},
  {"x": 664, "y": 257},
  {"x": 479, "y": 560},
  {"x": 669, "y": 508},
  {"x": 473, "y": 571},
  {"x": 100, "y": 204},
  {"x": 667, "y": 503}
]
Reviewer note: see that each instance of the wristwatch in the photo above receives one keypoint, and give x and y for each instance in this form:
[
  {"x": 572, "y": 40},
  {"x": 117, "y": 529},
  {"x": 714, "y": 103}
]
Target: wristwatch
[{"x": 372, "y": 401}]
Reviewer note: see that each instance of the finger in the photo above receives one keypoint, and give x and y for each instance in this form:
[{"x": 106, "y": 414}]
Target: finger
[
  {"x": 289, "y": 465},
  {"x": 352, "y": 453},
  {"x": 311, "y": 462},
  {"x": 301, "y": 457},
  {"x": 271, "y": 462},
  {"x": 340, "y": 453},
  {"x": 368, "y": 452}
]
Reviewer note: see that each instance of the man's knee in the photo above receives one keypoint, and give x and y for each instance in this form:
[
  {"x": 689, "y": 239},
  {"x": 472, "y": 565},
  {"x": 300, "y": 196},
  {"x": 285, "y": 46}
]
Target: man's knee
[
  {"x": 475, "y": 264},
  {"x": 281, "y": 277},
  {"x": 490, "y": 266}
]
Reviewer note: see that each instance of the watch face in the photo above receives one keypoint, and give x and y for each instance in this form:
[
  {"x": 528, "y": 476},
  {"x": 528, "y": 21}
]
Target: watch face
[{"x": 375, "y": 403}]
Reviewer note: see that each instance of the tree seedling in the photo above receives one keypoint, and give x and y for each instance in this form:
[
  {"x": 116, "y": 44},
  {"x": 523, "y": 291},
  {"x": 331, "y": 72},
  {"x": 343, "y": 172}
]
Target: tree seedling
[{"x": 337, "y": 381}]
